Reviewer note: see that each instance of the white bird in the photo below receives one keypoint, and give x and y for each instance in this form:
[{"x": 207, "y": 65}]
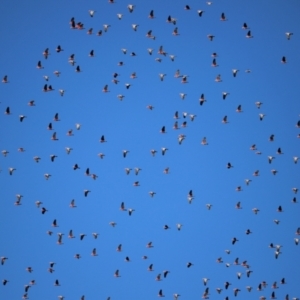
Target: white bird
[
  {"x": 11, "y": 170},
  {"x": 151, "y": 193},
  {"x": 120, "y": 97},
  {"x": 200, "y": 12},
  {"x": 47, "y": 176},
  {"x": 106, "y": 26},
  {"x": 150, "y": 51},
  {"x": 295, "y": 158},
  {"x": 127, "y": 170},
  {"x": 92, "y": 12},
  {"x": 163, "y": 150},
  {"x": 153, "y": 152},
  {"x": 136, "y": 170},
  {"x": 224, "y": 95},
  {"x": 288, "y": 35},
  {"x": 5, "y": 152},
  {"x": 248, "y": 181},
  {"x": 161, "y": 76},
  {"x": 68, "y": 150},
  {"x": 192, "y": 117},
  {"x": 181, "y": 137},
  {"x": 179, "y": 226},
  {"x": 119, "y": 16},
  {"x": 61, "y": 92},
  {"x": 134, "y": 27},
  {"x": 182, "y": 96},
  {"x": 172, "y": 57},
  {"x": 234, "y": 72},
  {"x": 258, "y": 104},
  {"x": 95, "y": 235},
  {"x": 270, "y": 158},
  {"x": 125, "y": 152},
  {"x": 130, "y": 7},
  {"x": 78, "y": 126},
  {"x": 261, "y": 116}
]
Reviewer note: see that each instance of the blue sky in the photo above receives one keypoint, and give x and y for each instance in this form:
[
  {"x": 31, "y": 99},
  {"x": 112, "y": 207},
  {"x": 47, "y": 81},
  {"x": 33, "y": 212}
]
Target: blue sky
[{"x": 31, "y": 27}]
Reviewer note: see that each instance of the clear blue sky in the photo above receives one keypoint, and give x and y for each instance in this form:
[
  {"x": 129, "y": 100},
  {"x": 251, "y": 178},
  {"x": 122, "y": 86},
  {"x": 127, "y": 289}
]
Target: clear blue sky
[{"x": 28, "y": 28}]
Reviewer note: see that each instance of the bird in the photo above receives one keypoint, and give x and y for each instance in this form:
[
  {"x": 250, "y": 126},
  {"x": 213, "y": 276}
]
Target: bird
[
  {"x": 224, "y": 95},
  {"x": 59, "y": 49},
  {"x": 288, "y": 35},
  {"x": 105, "y": 89},
  {"x": 11, "y": 170},
  {"x": 200, "y": 12},
  {"x": 171, "y": 20},
  {"x": 202, "y": 99},
  {"x": 239, "y": 109},
  {"x": 86, "y": 193},
  {"x": 54, "y": 138},
  {"x": 3, "y": 259},
  {"x": 283, "y": 60},
  {"x": 130, "y": 211},
  {"x": 161, "y": 76},
  {"x": 258, "y": 104},
  {"x": 270, "y": 158},
  {"x": 223, "y": 17},
  {"x": 249, "y": 35},
  {"x": 274, "y": 172},
  {"x": 204, "y": 142},
  {"x": 236, "y": 290},
  {"x": 238, "y": 205},
  {"x": 149, "y": 245},
  {"x": 163, "y": 129},
  {"x": 39, "y": 66},
  {"x": 229, "y": 166},
  {"x": 234, "y": 72},
  {"x": 52, "y": 157},
  {"x": 182, "y": 95},
  {"x": 130, "y": 7},
  {"x": 136, "y": 170},
  {"x": 224, "y": 120},
  {"x": 210, "y": 37},
  {"x": 160, "y": 294},
  {"x": 234, "y": 240},
  {"x": 47, "y": 176},
  {"x": 261, "y": 116},
  {"x": 4, "y": 281},
  {"x": 279, "y": 152},
  {"x": 153, "y": 152},
  {"x": 218, "y": 78},
  {"x": 245, "y": 26},
  {"x": 5, "y": 79},
  {"x": 125, "y": 152}
]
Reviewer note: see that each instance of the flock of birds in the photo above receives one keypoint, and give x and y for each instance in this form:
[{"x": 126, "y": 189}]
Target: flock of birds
[{"x": 61, "y": 237}]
